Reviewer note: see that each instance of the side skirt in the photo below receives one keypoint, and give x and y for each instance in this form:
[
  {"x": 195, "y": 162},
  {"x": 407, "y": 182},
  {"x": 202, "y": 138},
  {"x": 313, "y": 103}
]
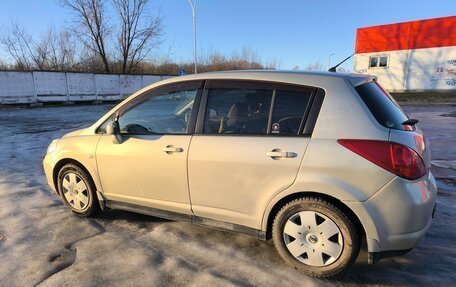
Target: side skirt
[{"x": 194, "y": 219}]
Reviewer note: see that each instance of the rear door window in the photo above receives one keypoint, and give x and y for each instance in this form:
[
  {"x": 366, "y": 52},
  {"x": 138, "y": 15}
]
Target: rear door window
[
  {"x": 237, "y": 111},
  {"x": 289, "y": 110},
  {"x": 256, "y": 108},
  {"x": 383, "y": 107}
]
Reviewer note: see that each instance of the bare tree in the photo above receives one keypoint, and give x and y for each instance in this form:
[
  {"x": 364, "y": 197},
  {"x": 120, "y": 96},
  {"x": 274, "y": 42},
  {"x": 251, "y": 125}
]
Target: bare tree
[
  {"x": 138, "y": 34},
  {"x": 92, "y": 26},
  {"x": 341, "y": 70},
  {"x": 53, "y": 51},
  {"x": 317, "y": 66},
  {"x": 20, "y": 46},
  {"x": 68, "y": 50},
  {"x": 246, "y": 59},
  {"x": 4, "y": 66},
  {"x": 61, "y": 50}
]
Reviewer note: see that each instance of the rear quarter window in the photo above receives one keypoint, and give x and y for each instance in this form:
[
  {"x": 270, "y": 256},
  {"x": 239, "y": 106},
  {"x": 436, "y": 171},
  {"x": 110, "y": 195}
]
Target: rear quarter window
[{"x": 383, "y": 107}]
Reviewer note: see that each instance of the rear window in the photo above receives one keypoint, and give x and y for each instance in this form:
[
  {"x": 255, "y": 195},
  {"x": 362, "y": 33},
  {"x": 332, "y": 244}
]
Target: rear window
[{"x": 382, "y": 106}]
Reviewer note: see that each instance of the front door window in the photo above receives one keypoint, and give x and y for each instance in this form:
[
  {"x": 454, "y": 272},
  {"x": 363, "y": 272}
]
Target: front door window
[{"x": 167, "y": 113}]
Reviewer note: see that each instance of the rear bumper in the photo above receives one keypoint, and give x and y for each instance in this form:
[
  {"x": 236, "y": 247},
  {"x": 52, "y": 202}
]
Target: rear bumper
[
  {"x": 399, "y": 215},
  {"x": 410, "y": 239}
]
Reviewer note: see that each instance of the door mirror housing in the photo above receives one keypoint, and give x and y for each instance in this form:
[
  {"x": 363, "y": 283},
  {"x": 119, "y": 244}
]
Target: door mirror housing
[{"x": 113, "y": 131}]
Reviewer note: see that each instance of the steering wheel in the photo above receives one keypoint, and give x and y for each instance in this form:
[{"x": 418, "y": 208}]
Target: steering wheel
[{"x": 136, "y": 129}]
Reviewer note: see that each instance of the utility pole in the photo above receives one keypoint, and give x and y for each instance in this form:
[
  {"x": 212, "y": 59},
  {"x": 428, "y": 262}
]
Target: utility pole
[{"x": 195, "y": 59}]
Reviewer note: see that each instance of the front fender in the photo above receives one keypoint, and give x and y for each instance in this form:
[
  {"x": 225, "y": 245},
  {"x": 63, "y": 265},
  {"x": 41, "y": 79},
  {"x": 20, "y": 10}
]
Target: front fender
[{"x": 81, "y": 149}]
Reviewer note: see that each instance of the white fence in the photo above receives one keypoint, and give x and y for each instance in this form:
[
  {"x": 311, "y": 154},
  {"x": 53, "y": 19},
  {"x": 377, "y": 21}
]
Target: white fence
[{"x": 40, "y": 87}]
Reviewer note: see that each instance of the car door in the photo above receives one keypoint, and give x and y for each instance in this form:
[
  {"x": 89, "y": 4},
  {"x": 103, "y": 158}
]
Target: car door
[
  {"x": 149, "y": 166},
  {"x": 248, "y": 146}
]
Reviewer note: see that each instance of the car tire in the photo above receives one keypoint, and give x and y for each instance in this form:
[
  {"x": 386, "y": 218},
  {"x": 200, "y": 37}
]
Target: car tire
[
  {"x": 316, "y": 237},
  {"x": 77, "y": 190}
]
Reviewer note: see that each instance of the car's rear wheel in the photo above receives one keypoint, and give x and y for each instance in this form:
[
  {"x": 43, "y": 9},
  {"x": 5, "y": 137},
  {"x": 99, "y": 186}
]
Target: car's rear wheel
[
  {"x": 315, "y": 237},
  {"x": 77, "y": 190}
]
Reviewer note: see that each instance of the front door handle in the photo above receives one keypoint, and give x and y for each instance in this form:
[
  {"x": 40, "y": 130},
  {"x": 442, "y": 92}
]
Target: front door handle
[
  {"x": 276, "y": 154},
  {"x": 170, "y": 149}
]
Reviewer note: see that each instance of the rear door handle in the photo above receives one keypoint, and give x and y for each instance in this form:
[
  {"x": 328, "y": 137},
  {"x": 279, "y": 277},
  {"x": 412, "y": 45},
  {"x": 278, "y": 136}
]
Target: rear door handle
[
  {"x": 170, "y": 149},
  {"x": 274, "y": 154}
]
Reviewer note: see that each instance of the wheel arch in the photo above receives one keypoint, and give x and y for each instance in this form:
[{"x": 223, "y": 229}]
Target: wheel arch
[
  {"x": 58, "y": 166},
  {"x": 283, "y": 201}
]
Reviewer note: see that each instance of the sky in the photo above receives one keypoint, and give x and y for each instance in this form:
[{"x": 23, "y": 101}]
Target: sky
[{"x": 289, "y": 32}]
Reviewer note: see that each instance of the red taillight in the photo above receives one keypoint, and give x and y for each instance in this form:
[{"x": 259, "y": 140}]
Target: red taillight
[{"x": 396, "y": 158}]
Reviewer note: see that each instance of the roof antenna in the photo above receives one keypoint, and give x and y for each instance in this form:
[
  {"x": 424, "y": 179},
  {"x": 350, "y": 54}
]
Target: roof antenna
[{"x": 333, "y": 69}]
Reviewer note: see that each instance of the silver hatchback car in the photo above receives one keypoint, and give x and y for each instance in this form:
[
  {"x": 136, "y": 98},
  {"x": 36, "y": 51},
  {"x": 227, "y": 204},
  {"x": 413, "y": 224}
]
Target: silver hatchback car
[{"x": 314, "y": 161}]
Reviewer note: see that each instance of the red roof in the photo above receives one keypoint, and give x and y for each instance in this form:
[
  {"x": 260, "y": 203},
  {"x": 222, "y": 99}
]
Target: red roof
[{"x": 438, "y": 32}]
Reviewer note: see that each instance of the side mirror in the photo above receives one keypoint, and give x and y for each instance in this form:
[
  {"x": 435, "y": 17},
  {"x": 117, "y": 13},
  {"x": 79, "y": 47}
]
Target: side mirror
[{"x": 112, "y": 130}]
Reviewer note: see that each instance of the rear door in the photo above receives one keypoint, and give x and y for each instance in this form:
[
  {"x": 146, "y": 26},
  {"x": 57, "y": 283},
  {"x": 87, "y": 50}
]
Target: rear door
[{"x": 248, "y": 146}]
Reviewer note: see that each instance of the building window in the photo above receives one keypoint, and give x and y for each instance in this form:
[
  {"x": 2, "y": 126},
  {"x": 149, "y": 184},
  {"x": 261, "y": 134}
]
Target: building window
[
  {"x": 383, "y": 61},
  {"x": 373, "y": 63},
  {"x": 378, "y": 62}
]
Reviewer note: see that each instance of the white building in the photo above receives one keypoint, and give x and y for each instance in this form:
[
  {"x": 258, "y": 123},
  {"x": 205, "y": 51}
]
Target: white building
[{"x": 411, "y": 56}]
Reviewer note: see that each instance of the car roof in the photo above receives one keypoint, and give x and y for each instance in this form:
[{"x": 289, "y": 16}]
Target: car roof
[
  {"x": 286, "y": 76},
  {"x": 294, "y": 72}
]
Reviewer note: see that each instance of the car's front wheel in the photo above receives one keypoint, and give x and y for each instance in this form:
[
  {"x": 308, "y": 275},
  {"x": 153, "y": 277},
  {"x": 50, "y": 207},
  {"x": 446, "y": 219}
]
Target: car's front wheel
[
  {"x": 77, "y": 190},
  {"x": 315, "y": 237}
]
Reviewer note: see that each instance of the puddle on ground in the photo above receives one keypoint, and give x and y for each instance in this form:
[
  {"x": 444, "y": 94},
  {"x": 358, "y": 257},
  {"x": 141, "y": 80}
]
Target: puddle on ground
[{"x": 451, "y": 115}]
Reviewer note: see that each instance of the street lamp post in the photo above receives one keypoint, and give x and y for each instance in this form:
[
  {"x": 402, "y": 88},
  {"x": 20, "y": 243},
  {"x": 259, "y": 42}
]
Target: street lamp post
[
  {"x": 329, "y": 60},
  {"x": 193, "y": 6}
]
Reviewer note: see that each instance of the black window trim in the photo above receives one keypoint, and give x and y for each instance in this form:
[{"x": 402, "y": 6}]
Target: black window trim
[
  {"x": 271, "y": 110},
  {"x": 314, "y": 111},
  {"x": 307, "y": 123}
]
